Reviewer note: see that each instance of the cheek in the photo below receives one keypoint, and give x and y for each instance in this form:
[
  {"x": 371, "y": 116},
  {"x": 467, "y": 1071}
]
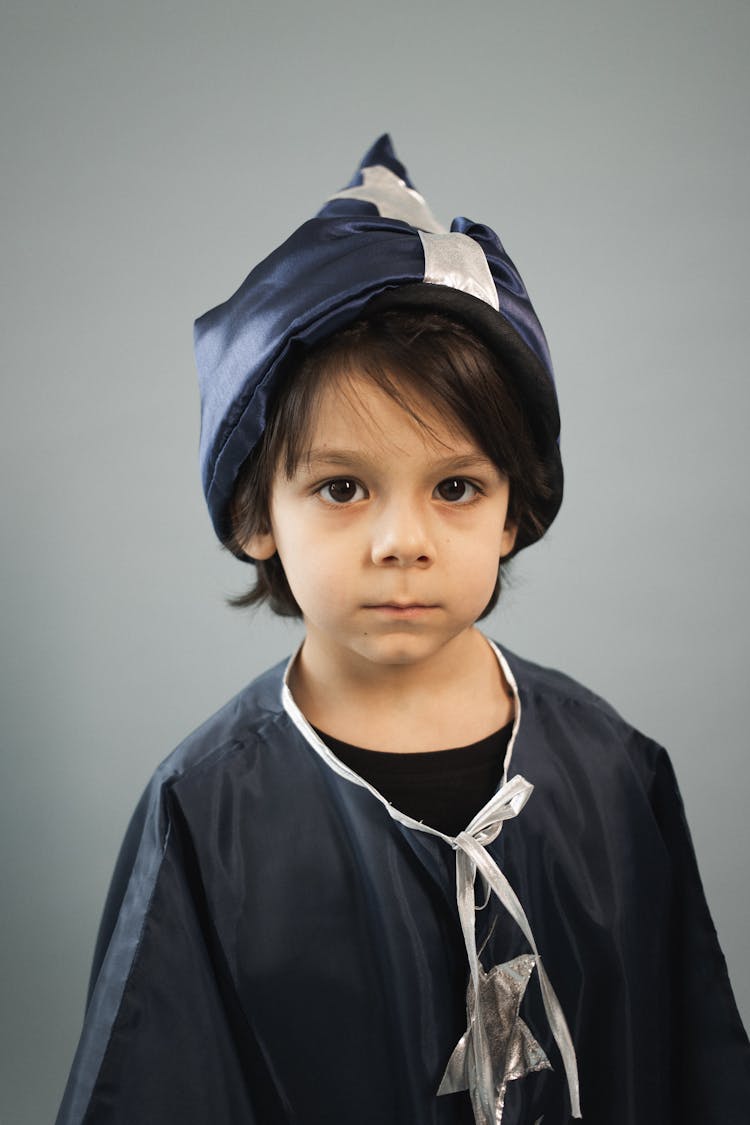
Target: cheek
[
  {"x": 317, "y": 577},
  {"x": 481, "y": 544},
  {"x": 476, "y": 568}
]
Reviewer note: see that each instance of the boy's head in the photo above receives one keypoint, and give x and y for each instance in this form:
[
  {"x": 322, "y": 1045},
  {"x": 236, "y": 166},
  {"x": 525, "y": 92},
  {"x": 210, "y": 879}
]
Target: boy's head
[
  {"x": 391, "y": 519},
  {"x": 441, "y": 376},
  {"x": 372, "y": 293}
]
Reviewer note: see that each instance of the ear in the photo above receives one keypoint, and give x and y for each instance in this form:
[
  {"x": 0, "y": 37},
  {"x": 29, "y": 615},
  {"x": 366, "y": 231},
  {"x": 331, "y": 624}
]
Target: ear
[
  {"x": 508, "y": 539},
  {"x": 260, "y": 546}
]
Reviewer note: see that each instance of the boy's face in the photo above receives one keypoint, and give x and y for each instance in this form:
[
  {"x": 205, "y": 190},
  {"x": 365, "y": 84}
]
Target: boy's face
[{"x": 390, "y": 533}]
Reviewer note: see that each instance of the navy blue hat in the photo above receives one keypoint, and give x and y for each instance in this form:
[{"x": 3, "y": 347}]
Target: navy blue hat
[{"x": 377, "y": 242}]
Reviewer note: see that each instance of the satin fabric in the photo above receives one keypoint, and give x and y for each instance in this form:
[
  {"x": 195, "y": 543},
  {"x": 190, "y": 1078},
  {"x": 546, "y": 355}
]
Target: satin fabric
[
  {"x": 277, "y": 948},
  {"x": 321, "y": 279}
]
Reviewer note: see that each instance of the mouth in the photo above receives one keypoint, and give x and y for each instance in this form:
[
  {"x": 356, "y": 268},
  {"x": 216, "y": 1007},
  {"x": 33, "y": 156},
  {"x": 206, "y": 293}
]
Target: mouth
[{"x": 402, "y": 609}]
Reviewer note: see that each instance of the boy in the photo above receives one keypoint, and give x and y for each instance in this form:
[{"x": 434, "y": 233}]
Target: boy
[{"x": 320, "y": 913}]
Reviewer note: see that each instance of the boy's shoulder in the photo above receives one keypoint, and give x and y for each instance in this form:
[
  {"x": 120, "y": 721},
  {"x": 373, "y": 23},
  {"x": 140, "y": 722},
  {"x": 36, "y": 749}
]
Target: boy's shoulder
[
  {"x": 569, "y": 718},
  {"x": 542, "y": 684},
  {"x": 239, "y": 725}
]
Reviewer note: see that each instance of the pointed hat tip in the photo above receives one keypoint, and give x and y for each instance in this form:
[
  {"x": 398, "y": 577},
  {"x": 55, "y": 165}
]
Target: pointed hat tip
[{"x": 383, "y": 153}]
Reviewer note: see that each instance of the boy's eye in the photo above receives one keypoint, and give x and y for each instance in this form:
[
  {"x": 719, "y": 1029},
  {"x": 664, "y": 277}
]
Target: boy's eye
[
  {"x": 341, "y": 491},
  {"x": 456, "y": 490}
]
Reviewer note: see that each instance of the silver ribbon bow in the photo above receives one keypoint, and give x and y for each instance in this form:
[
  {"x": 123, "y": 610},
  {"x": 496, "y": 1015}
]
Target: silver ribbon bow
[{"x": 472, "y": 856}]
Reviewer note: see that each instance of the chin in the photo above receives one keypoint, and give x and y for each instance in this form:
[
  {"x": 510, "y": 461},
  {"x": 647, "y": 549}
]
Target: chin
[{"x": 401, "y": 648}]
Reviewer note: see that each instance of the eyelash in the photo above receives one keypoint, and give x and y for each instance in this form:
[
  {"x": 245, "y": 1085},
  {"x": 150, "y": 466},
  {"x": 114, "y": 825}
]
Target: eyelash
[
  {"x": 321, "y": 490},
  {"x": 475, "y": 490}
]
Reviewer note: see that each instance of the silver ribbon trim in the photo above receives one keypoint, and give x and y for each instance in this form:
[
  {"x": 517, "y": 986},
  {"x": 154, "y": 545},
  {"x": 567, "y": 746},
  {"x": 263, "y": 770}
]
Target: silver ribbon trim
[
  {"x": 472, "y": 856},
  {"x": 393, "y": 199},
  {"x": 458, "y": 261},
  {"x": 450, "y": 258}
]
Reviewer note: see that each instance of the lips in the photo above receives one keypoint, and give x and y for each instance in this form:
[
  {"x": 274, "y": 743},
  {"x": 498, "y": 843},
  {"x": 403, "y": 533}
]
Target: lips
[
  {"x": 400, "y": 605},
  {"x": 402, "y": 609}
]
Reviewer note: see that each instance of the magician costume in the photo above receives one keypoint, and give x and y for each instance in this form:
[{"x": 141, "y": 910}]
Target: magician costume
[{"x": 283, "y": 943}]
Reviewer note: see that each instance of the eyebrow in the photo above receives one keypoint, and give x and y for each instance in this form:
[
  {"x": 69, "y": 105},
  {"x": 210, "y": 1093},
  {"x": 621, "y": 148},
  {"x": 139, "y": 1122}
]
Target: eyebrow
[
  {"x": 332, "y": 457},
  {"x": 347, "y": 457}
]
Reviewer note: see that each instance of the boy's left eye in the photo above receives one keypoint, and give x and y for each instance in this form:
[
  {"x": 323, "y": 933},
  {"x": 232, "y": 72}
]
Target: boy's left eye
[{"x": 456, "y": 490}]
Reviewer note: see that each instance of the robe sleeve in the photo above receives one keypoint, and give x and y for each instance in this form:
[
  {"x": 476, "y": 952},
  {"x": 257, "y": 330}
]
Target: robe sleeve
[
  {"x": 165, "y": 1041},
  {"x": 710, "y": 1054}
]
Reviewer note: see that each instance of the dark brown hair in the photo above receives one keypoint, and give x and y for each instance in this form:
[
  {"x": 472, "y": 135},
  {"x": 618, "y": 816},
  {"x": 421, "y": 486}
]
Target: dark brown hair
[{"x": 406, "y": 355}]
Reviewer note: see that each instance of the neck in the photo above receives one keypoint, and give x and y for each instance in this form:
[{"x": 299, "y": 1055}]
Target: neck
[{"x": 457, "y": 697}]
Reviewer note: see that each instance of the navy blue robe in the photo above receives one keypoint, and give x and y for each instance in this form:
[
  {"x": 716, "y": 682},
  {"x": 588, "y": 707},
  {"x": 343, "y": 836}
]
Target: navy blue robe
[{"x": 277, "y": 948}]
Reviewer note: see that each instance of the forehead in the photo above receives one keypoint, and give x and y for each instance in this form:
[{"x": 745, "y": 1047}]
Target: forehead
[{"x": 389, "y": 415}]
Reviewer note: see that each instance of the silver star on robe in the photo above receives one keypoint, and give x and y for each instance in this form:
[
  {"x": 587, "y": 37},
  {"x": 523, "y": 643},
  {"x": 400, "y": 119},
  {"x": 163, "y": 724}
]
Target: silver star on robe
[{"x": 513, "y": 1049}]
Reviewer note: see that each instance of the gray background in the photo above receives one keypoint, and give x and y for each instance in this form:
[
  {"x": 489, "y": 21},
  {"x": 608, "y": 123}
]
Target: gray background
[{"x": 152, "y": 152}]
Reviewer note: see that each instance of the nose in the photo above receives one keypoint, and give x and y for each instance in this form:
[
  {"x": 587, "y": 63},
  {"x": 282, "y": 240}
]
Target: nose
[{"x": 401, "y": 535}]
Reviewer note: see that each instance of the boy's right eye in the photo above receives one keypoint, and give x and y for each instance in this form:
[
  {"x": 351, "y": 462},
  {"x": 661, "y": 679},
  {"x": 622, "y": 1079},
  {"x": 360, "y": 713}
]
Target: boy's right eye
[{"x": 342, "y": 490}]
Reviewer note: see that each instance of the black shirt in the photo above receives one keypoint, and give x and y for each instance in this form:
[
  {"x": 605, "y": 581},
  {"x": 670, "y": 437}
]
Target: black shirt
[{"x": 442, "y": 788}]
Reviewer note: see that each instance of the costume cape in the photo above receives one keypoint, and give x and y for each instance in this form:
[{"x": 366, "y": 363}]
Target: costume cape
[{"x": 280, "y": 946}]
